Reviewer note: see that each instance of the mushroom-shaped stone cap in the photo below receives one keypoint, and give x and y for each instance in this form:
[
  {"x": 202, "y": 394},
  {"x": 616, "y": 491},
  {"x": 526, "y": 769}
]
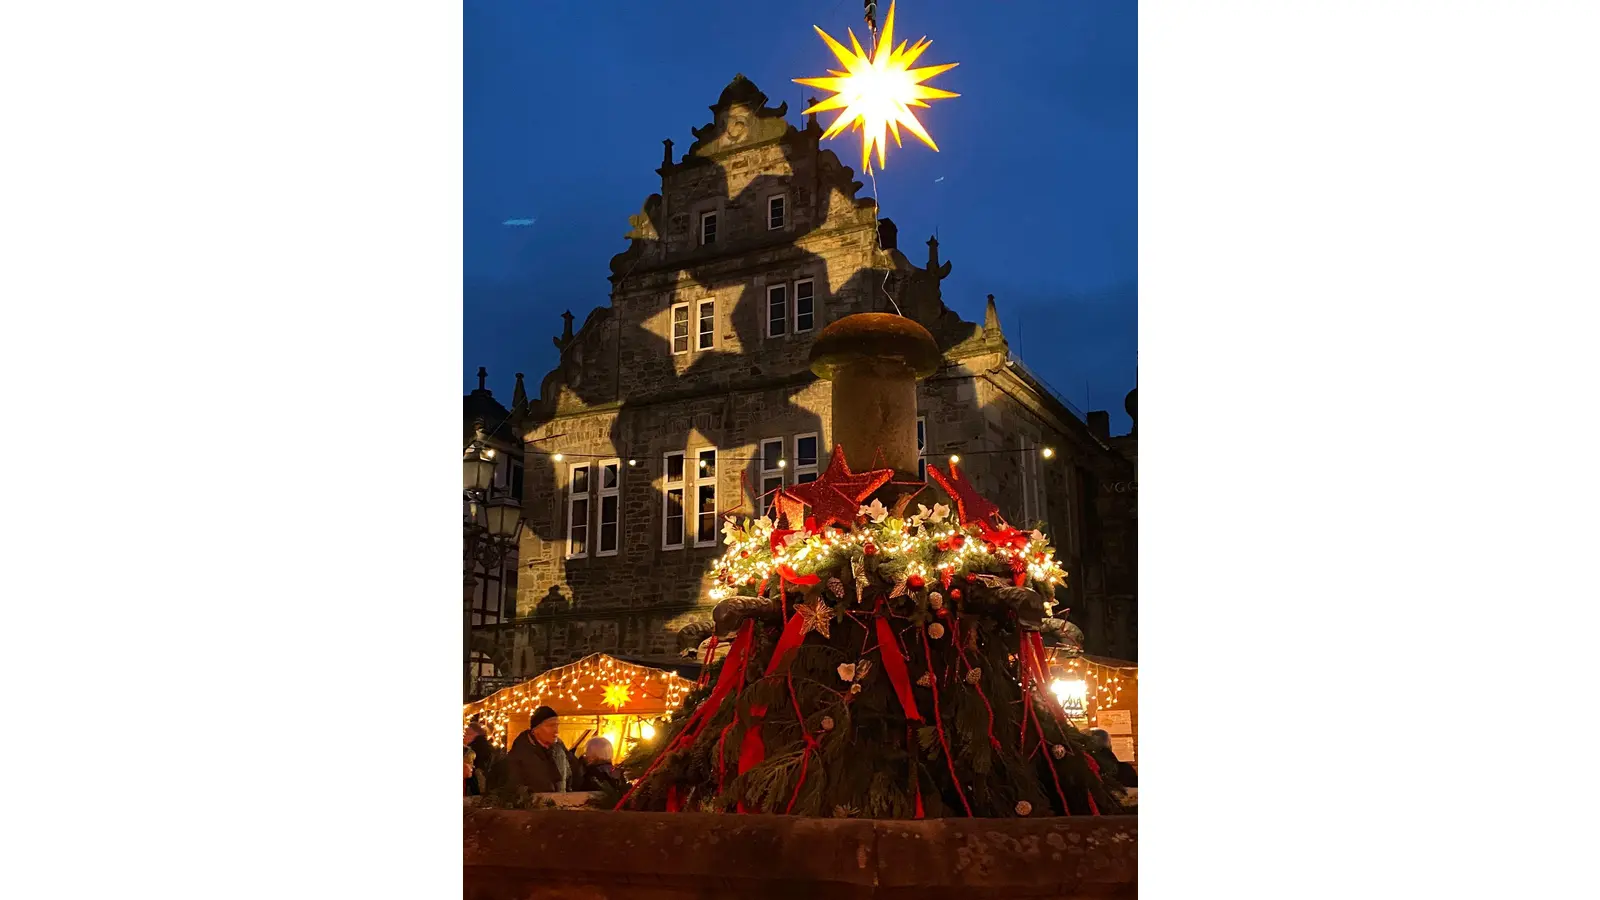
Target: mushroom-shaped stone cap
[{"x": 868, "y": 336}]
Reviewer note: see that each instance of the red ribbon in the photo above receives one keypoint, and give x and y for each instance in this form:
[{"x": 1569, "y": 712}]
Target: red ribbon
[
  {"x": 752, "y": 751},
  {"x": 895, "y": 666},
  {"x": 672, "y": 799},
  {"x": 938, "y": 722},
  {"x": 733, "y": 667},
  {"x": 791, "y": 575}
]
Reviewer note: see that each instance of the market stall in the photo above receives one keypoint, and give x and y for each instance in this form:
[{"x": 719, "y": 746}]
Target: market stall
[
  {"x": 597, "y": 696},
  {"x": 1099, "y": 692}
]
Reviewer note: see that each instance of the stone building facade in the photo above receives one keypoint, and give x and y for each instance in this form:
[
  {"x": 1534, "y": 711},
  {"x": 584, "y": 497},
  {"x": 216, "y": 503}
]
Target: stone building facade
[{"x": 689, "y": 395}]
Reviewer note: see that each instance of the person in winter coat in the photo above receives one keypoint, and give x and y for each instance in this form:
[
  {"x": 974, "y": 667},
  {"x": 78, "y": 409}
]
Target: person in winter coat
[
  {"x": 537, "y": 760},
  {"x": 1109, "y": 764},
  {"x": 483, "y": 755},
  {"x": 598, "y": 773}
]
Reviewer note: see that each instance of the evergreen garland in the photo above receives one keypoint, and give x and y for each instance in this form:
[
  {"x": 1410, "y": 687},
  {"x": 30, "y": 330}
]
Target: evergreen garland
[{"x": 960, "y": 602}]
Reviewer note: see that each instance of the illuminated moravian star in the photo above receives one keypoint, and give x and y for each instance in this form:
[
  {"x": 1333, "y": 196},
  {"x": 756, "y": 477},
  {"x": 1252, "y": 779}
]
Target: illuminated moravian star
[{"x": 877, "y": 90}]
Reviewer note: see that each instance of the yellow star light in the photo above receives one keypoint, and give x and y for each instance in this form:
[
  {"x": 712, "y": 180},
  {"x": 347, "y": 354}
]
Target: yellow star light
[
  {"x": 616, "y": 695},
  {"x": 877, "y": 92}
]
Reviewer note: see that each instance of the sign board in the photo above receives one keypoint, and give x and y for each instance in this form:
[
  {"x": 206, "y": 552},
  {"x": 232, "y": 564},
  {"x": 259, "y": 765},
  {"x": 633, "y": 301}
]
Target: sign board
[
  {"x": 1122, "y": 748},
  {"x": 1115, "y": 721}
]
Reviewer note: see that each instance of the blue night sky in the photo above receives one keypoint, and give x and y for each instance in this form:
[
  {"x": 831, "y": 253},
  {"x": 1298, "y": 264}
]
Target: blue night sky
[{"x": 1034, "y": 192}]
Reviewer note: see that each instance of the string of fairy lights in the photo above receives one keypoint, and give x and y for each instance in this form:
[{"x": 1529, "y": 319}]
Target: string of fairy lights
[
  {"x": 783, "y": 462},
  {"x": 1097, "y": 686}
]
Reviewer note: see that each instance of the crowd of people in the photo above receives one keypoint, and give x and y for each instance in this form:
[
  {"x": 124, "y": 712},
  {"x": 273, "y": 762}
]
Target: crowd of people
[{"x": 536, "y": 760}]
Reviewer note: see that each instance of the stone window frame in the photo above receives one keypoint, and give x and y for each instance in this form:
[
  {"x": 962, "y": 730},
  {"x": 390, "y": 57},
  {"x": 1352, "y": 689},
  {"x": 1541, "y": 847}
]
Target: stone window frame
[
  {"x": 783, "y": 224},
  {"x": 766, "y": 310},
  {"x": 794, "y": 305},
  {"x": 922, "y": 447},
  {"x": 763, "y": 502},
  {"x": 705, "y": 476},
  {"x": 573, "y": 499},
  {"x": 700, "y": 332},
  {"x": 486, "y": 609},
  {"x": 667, "y": 487},
  {"x": 801, "y": 469},
  {"x": 614, "y": 492},
  {"x": 672, "y": 329},
  {"x": 700, "y": 231}
]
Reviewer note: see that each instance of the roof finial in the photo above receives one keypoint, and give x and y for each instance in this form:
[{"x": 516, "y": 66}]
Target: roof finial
[
  {"x": 519, "y": 395},
  {"x": 483, "y": 375},
  {"x": 566, "y": 326},
  {"x": 666, "y": 153},
  {"x": 991, "y": 317},
  {"x": 933, "y": 253}
]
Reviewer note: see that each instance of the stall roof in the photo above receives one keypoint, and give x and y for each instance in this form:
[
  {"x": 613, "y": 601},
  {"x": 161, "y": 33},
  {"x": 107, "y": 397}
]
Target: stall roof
[{"x": 598, "y": 684}]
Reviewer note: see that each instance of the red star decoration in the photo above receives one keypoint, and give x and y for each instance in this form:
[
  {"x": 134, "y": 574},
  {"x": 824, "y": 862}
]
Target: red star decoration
[
  {"x": 790, "y": 509},
  {"x": 837, "y": 495},
  {"x": 970, "y": 506}
]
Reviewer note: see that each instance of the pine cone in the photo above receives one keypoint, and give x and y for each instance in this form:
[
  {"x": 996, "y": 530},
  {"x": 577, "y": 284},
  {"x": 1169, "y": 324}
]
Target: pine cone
[
  {"x": 936, "y": 631},
  {"x": 827, "y": 723},
  {"x": 1058, "y": 751},
  {"x": 925, "y": 680},
  {"x": 974, "y": 676},
  {"x": 936, "y": 600},
  {"x": 1024, "y": 807}
]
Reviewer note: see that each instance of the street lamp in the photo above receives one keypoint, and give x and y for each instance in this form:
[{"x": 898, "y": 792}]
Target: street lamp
[{"x": 491, "y": 529}]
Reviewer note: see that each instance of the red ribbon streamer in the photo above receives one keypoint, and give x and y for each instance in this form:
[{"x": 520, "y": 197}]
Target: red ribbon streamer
[
  {"x": 733, "y": 667},
  {"x": 895, "y": 666},
  {"x": 796, "y": 578},
  {"x": 938, "y": 722},
  {"x": 752, "y": 751}
]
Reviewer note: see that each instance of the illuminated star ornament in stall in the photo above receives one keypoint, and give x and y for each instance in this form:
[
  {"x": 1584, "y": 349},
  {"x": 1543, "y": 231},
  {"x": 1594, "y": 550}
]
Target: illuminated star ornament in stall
[
  {"x": 877, "y": 90},
  {"x": 616, "y": 695}
]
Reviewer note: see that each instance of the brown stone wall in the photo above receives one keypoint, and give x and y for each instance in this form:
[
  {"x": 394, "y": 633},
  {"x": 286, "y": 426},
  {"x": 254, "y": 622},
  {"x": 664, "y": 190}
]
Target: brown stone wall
[{"x": 594, "y": 855}]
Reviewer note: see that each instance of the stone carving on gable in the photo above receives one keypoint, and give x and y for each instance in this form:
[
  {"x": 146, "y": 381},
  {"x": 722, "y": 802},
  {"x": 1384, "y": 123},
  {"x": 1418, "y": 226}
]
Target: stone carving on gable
[
  {"x": 740, "y": 118},
  {"x": 644, "y": 237}
]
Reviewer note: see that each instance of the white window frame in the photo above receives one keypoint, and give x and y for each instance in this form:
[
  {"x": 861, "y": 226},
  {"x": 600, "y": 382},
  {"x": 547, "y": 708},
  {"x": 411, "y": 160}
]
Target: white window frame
[
  {"x": 572, "y": 504},
  {"x": 667, "y": 487},
  {"x": 615, "y": 491},
  {"x": 922, "y": 447},
  {"x": 703, "y": 480},
  {"x": 715, "y": 227},
  {"x": 784, "y": 221},
  {"x": 705, "y": 340},
  {"x": 763, "y": 502},
  {"x": 794, "y": 306},
  {"x": 672, "y": 329},
  {"x": 766, "y": 310},
  {"x": 800, "y": 468}
]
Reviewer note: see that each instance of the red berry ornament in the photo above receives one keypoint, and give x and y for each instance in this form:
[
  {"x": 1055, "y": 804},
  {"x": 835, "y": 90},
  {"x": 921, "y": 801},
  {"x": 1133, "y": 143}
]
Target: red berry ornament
[
  {"x": 870, "y": 549},
  {"x": 915, "y": 581}
]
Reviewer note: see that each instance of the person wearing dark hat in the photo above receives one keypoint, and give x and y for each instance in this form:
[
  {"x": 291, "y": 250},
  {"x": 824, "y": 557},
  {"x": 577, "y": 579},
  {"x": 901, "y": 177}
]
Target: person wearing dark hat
[{"x": 537, "y": 760}]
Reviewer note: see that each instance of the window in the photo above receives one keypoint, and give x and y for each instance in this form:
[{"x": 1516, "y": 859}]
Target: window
[
  {"x": 777, "y": 310},
  {"x": 708, "y": 325},
  {"x": 805, "y": 458},
  {"x": 922, "y": 448},
  {"x": 805, "y": 305},
  {"x": 708, "y": 229},
  {"x": 578, "y": 510},
  {"x": 672, "y": 502},
  {"x": 486, "y": 602},
  {"x": 776, "y": 208},
  {"x": 516, "y": 480},
  {"x": 508, "y": 585},
  {"x": 771, "y": 473},
  {"x": 680, "y": 328},
  {"x": 705, "y": 498},
  {"x": 610, "y": 506}
]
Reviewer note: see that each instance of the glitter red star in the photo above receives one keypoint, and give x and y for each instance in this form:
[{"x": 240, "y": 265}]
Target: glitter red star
[
  {"x": 837, "y": 495},
  {"x": 790, "y": 509},
  {"x": 970, "y": 505}
]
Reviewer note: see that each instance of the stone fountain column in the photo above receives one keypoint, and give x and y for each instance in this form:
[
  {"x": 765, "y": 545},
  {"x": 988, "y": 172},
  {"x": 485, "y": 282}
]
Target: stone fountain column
[{"x": 874, "y": 361}]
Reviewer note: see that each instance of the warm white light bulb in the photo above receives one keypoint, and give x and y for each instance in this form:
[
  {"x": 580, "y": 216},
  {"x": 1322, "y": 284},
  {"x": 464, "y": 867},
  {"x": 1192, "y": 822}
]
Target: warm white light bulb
[
  {"x": 558, "y": 457},
  {"x": 954, "y": 459}
]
